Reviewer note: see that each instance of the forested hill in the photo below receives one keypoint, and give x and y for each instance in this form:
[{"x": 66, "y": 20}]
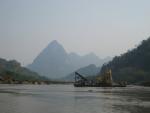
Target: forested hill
[
  {"x": 13, "y": 70},
  {"x": 133, "y": 66}
]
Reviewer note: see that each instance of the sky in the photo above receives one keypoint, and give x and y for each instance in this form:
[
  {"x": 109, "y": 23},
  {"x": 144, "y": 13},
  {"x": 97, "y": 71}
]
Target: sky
[{"x": 105, "y": 27}]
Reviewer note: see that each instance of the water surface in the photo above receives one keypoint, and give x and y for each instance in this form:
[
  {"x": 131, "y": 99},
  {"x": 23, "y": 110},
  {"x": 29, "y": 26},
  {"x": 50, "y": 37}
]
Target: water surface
[{"x": 68, "y": 99}]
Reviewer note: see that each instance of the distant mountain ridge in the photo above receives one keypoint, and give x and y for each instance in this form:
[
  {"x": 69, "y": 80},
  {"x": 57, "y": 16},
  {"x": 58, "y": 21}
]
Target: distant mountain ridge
[
  {"x": 55, "y": 62},
  {"x": 90, "y": 70}
]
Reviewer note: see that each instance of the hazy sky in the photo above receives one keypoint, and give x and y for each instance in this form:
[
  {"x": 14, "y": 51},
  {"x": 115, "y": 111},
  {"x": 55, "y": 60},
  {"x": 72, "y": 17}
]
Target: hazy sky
[{"x": 105, "y": 27}]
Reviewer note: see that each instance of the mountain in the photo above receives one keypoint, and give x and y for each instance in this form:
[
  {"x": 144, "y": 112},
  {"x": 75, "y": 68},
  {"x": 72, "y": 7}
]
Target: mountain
[
  {"x": 78, "y": 61},
  {"x": 52, "y": 61},
  {"x": 12, "y": 69},
  {"x": 90, "y": 70},
  {"x": 55, "y": 62},
  {"x": 132, "y": 66}
]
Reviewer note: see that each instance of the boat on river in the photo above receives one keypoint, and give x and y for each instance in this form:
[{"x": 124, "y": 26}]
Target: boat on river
[{"x": 104, "y": 80}]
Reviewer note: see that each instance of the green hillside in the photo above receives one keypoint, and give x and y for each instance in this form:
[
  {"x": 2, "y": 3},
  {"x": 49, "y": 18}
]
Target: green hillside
[
  {"x": 133, "y": 66},
  {"x": 12, "y": 70}
]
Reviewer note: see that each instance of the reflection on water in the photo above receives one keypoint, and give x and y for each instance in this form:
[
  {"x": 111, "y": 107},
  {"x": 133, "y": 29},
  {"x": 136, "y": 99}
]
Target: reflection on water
[{"x": 67, "y": 99}]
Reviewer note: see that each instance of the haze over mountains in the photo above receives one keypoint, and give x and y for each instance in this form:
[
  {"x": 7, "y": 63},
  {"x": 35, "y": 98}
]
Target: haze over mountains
[
  {"x": 87, "y": 71},
  {"x": 55, "y": 62}
]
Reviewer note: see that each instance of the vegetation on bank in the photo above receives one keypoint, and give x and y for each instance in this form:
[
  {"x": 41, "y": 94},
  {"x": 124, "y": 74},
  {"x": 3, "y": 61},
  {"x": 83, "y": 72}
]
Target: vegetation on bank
[
  {"x": 12, "y": 72},
  {"x": 132, "y": 66}
]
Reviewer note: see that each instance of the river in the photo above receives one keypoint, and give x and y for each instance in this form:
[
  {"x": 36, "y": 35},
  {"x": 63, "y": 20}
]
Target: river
[{"x": 68, "y": 99}]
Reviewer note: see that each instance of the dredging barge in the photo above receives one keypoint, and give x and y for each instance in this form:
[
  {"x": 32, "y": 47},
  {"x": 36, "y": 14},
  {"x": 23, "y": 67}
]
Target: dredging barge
[{"x": 104, "y": 80}]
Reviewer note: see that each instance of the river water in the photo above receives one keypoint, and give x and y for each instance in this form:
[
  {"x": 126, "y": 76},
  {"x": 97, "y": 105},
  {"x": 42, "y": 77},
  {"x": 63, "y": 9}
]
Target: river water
[{"x": 68, "y": 99}]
